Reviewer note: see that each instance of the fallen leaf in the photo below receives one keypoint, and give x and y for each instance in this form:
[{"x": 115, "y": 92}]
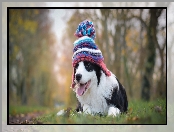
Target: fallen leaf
[
  {"x": 158, "y": 109},
  {"x": 135, "y": 118}
]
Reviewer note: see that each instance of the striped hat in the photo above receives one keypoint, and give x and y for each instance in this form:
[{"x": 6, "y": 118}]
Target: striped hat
[{"x": 85, "y": 48}]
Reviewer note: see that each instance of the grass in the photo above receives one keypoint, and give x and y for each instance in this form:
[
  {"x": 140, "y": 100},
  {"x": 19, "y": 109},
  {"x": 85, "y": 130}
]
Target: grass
[
  {"x": 139, "y": 112},
  {"x": 13, "y": 110}
]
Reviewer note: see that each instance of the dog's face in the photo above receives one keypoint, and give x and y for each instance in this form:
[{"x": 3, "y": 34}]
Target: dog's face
[{"x": 87, "y": 74}]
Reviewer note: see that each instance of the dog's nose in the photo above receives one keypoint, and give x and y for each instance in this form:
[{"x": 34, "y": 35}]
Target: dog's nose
[{"x": 78, "y": 77}]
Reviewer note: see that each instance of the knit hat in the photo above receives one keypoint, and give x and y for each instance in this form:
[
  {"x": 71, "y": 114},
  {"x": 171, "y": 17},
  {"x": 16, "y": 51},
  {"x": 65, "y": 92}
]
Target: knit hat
[{"x": 85, "y": 48}]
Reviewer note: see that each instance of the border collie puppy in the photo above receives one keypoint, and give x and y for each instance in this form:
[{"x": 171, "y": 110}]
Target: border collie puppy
[
  {"x": 97, "y": 89},
  {"x": 97, "y": 93}
]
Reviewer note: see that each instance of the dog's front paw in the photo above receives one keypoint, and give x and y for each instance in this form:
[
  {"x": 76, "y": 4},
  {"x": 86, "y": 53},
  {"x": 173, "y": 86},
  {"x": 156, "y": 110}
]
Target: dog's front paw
[
  {"x": 61, "y": 112},
  {"x": 86, "y": 109},
  {"x": 113, "y": 111}
]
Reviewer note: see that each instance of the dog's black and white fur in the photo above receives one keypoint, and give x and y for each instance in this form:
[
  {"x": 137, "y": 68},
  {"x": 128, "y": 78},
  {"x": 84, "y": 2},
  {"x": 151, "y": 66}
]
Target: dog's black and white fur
[{"x": 102, "y": 95}]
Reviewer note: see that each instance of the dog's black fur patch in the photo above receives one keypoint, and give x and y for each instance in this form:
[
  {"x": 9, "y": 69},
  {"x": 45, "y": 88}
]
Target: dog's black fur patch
[
  {"x": 97, "y": 69},
  {"x": 118, "y": 98}
]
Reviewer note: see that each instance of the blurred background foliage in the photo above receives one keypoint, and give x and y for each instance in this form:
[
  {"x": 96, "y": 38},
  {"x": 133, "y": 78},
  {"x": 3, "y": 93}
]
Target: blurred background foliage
[
  {"x": 132, "y": 41},
  {"x": 31, "y": 79}
]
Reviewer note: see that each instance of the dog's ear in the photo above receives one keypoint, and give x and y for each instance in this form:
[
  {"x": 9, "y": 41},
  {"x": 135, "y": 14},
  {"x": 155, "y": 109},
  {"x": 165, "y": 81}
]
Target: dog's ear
[
  {"x": 73, "y": 78},
  {"x": 98, "y": 72}
]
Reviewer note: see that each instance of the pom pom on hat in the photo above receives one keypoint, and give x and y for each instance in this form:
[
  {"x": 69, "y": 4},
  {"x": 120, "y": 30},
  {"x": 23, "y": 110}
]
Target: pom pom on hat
[{"x": 85, "y": 28}]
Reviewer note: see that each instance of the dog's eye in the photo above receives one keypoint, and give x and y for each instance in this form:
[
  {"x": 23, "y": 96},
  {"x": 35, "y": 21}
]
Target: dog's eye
[
  {"x": 88, "y": 66},
  {"x": 76, "y": 66}
]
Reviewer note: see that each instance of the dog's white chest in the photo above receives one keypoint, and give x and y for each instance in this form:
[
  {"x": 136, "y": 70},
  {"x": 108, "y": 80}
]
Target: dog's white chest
[{"x": 98, "y": 105}]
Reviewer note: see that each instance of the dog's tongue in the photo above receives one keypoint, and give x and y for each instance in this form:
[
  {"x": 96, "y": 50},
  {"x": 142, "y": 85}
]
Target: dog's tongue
[{"x": 81, "y": 89}]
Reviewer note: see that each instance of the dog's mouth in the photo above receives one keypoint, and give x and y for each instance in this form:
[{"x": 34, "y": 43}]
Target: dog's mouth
[{"x": 81, "y": 88}]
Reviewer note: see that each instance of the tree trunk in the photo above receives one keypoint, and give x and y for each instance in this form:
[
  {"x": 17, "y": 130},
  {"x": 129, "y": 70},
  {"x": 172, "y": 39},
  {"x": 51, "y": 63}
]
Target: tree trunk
[
  {"x": 161, "y": 86},
  {"x": 150, "y": 62},
  {"x": 23, "y": 93},
  {"x": 117, "y": 47},
  {"x": 105, "y": 14},
  {"x": 126, "y": 69}
]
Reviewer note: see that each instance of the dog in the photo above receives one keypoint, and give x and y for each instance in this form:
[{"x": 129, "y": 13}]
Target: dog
[
  {"x": 97, "y": 89},
  {"x": 97, "y": 93}
]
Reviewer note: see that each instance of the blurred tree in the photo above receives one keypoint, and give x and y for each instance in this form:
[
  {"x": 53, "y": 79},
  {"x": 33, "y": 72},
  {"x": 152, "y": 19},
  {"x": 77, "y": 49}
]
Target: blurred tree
[
  {"x": 161, "y": 47},
  {"x": 30, "y": 39},
  {"x": 117, "y": 42},
  {"x": 105, "y": 41},
  {"x": 151, "y": 53}
]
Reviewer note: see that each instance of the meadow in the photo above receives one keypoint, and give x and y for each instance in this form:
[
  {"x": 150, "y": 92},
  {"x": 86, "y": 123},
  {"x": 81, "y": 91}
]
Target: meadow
[{"x": 139, "y": 112}]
